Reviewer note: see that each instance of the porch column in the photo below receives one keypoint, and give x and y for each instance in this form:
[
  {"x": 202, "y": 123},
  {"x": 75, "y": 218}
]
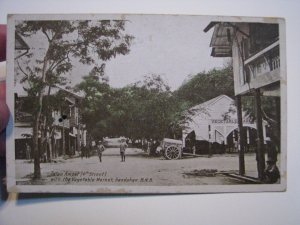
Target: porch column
[
  {"x": 260, "y": 152},
  {"x": 278, "y": 119},
  {"x": 248, "y": 136},
  {"x": 241, "y": 135}
]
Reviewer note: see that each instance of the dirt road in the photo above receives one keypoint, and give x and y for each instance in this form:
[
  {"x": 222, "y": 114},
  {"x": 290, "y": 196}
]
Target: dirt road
[{"x": 139, "y": 169}]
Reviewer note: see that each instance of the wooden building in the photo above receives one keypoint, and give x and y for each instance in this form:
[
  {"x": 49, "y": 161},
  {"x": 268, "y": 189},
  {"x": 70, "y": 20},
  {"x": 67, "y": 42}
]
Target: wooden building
[
  {"x": 254, "y": 48},
  {"x": 66, "y": 134}
]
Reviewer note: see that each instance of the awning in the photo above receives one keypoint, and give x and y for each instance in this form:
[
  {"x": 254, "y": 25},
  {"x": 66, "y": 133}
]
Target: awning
[{"x": 221, "y": 39}]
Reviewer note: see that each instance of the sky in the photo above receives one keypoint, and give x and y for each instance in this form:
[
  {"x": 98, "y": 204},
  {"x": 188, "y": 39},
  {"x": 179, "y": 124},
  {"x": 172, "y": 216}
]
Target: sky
[
  {"x": 171, "y": 46},
  {"x": 174, "y": 47}
]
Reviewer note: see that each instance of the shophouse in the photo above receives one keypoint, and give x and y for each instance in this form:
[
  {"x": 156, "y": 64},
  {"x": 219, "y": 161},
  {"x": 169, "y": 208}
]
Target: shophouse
[{"x": 255, "y": 49}]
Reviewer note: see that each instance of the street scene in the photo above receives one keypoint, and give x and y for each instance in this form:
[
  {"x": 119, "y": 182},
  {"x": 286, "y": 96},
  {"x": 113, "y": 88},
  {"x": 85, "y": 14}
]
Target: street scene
[
  {"x": 139, "y": 169},
  {"x": 147, "y": 100}
]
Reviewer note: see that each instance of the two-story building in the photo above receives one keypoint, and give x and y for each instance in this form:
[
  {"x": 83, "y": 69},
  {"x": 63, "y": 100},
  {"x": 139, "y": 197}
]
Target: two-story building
[
  {"x": 255, "y": 50},
  {"x": 65, "y": 135}
]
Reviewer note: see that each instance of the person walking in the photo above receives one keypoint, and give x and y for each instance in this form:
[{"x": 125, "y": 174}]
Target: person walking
[
  {"x": 82, "y": 151},
  {"x": 123, "y": 147},
  {"x": 100, "y": 150},
  {"x": 28, "y": 152},
  {"x": 271, "y": 173}
]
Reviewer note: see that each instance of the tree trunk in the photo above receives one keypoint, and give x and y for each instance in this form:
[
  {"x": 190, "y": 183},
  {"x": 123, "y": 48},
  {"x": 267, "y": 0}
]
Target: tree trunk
[
  {"x": 63, "y": 140},
  {"x": 54, "y": 148},
  {"x": 48, "y": 131},
  {"x": 36, "y": 150},
  {"x": 50, "y": 148}
]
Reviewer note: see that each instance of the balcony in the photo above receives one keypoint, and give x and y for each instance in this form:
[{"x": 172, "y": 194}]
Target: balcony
[{"x": 262, "y": 68}]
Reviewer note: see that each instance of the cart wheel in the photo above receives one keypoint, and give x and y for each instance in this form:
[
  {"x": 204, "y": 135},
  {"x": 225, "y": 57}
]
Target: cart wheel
[{"x": 172, "y": 152}]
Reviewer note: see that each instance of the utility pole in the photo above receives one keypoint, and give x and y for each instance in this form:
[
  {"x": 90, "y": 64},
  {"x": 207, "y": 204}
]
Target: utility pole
[
  {"x": 241, "y": 139},
  {"x": 260, "y": 153}
]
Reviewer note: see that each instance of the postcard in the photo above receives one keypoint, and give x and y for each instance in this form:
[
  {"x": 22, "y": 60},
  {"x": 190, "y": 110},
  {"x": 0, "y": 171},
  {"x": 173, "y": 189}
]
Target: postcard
[{"x": 125, "y": 103}]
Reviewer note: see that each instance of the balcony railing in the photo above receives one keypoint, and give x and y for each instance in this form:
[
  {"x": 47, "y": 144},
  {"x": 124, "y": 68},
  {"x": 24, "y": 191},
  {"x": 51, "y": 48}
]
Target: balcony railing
[
  {"x": 275, "y": 63},
  {"x": 262, "y": 62}
]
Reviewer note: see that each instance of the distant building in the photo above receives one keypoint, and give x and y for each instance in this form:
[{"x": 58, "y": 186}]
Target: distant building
[
  {"x": 215, "y": 121},
  {"x": 65, "y": 136}
]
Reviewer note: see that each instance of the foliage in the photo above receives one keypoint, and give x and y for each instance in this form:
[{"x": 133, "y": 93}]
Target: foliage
[
  {"x": 196, "y": 90},
  {"x": 96, "y": 104},
  {"x": 138, "y": 111},
  {"x": 63, "y": 41},
  {"x": 91, "y": 42},
  {"x": 207, "y": 85},
  {"x": 269, "y": 114},
  {"x": 148, "y": 109}
]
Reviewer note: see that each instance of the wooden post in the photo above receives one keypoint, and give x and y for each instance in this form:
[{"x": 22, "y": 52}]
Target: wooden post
[
  {"x": 260, "y": 152},
  {"x": 241, "y": 135},
  {"x": 278, "y": 119}
]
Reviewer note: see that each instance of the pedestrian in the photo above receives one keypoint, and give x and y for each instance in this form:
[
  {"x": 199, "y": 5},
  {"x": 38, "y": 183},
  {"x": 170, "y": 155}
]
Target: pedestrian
[
  {"x": 236, "y": 146},
  {"x": 82, "y": 151},
  {"x": 123, "y": 147},
  {"x": 100, "y": 150},
  {"x": 271, "y": 149},
  {"x": 194, "y": 149},
  {"x": 271, "y": 173},
  {"x": 87, "y": 151},
  {"x": 89, "y": 147},
  {"x": 28, "y": 151}
]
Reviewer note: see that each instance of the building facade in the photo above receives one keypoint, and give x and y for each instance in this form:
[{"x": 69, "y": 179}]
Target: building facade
[
  {"x": 64, "y": 134},
  {"x": 255, "y": 50},
  {"x": 61, "y": 131}
]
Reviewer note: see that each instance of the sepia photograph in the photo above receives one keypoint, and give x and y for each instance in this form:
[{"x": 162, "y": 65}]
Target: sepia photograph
[{"x": 146, "y": 104}]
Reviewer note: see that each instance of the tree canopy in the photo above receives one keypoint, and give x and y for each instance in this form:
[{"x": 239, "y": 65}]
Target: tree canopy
[
  {"x": 207, "y": 85},
  {"x": 148, "y": 109},
  {"x": 90, "y": 42}
]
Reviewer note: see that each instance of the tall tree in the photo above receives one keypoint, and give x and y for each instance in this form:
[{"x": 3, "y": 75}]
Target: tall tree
[
  {"x": 197, "y": 89},
  {"x": 91, "y": 42},
  {"x": 149, "y": 108},
  {"x": 96, "y": 104}
]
